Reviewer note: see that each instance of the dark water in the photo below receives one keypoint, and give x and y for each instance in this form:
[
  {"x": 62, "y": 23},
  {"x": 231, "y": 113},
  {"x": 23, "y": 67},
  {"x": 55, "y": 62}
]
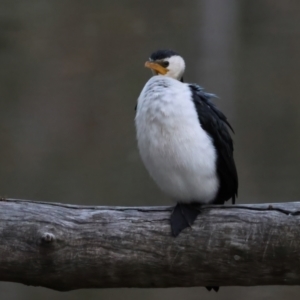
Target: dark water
[{"x": 71, "y": 72}]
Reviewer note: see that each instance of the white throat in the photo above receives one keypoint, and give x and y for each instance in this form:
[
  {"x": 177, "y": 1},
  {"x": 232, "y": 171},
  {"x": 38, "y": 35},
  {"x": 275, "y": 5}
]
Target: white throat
[{"x": 176, "y": 67}]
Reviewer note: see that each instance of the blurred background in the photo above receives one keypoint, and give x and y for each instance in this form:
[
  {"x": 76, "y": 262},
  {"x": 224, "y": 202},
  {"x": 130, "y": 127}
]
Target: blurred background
[{"x": 71, "y": 72}]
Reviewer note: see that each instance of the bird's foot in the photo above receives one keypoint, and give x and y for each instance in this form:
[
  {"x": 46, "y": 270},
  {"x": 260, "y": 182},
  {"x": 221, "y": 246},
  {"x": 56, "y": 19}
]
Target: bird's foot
[
  {"x": 183, "y": 216},
  {"x": 215, "y": 288}
]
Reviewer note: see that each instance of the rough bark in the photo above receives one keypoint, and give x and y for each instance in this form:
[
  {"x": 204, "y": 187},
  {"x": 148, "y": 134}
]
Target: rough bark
[{"x": 67, "y": 247}]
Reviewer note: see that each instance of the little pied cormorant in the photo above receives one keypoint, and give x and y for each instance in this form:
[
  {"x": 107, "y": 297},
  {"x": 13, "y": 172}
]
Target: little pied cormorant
[{"x": 184, "y": 141}]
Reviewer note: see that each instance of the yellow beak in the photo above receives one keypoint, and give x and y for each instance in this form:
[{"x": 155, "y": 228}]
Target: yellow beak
[{"x": 157, "y": 67}]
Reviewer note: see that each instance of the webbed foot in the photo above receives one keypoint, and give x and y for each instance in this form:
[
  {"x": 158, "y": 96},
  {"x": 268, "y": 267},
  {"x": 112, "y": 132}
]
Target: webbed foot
[{"x": 215, "y": 288}]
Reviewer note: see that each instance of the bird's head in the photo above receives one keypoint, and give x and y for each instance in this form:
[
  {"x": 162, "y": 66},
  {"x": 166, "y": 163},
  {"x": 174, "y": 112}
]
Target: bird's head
[{"x": 167, "y": 63}]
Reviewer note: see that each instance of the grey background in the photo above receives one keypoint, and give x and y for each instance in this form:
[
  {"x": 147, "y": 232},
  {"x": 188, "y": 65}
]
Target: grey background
[{"x": 70, "y": 74}]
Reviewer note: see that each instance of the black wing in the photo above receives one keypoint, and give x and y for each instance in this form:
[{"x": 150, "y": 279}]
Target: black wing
[{"x": 216, "y": 125}]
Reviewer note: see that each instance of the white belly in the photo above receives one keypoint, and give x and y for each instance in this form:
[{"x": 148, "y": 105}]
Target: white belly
[{"x": 177, "y": 152}]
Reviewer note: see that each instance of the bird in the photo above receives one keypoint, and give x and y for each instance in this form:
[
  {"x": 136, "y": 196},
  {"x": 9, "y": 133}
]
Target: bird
[{"x": 184, "y": 140}]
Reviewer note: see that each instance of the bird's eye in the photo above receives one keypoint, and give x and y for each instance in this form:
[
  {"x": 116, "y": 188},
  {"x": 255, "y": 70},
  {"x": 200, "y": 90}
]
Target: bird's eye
[{"x": 165, "y": 63}]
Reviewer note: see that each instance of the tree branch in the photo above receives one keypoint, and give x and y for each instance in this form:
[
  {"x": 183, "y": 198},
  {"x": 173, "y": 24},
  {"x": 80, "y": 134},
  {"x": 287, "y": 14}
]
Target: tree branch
[{"x": 67, "y": 247}]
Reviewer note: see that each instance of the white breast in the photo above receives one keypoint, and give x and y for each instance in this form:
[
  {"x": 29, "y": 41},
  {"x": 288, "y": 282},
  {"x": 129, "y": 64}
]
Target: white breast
[{"x": 176, "y": 151}]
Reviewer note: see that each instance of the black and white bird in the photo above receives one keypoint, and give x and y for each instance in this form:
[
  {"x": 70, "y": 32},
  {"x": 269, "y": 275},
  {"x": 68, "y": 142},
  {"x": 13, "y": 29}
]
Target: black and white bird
[{"x": 184, "y": 141}]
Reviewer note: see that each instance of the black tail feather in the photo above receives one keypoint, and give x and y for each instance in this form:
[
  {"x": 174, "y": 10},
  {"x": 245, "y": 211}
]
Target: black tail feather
[{"x": 183, "y": 216}]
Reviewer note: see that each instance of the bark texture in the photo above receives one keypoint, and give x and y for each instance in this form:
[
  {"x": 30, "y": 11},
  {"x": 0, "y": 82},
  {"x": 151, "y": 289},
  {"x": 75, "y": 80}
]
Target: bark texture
[{"x": 67, "y": 247}]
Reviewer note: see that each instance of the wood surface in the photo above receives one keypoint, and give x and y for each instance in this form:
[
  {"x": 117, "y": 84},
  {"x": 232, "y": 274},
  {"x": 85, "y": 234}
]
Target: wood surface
[{"x": 68, "y": 247}]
